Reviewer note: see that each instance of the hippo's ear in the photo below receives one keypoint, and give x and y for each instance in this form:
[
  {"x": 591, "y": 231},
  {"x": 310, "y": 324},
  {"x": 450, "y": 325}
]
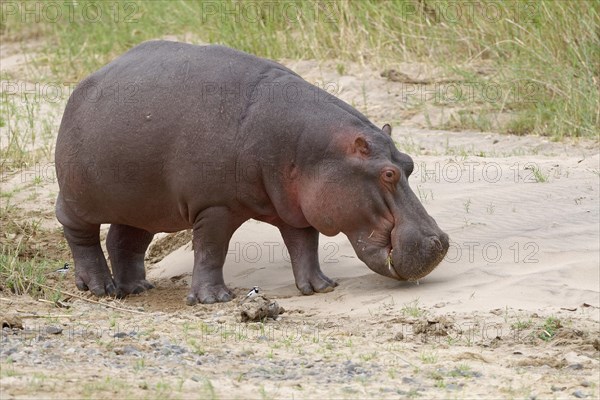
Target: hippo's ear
[
  {"x": 361, "y": 146},
  {"x": 387, "y": 128}
]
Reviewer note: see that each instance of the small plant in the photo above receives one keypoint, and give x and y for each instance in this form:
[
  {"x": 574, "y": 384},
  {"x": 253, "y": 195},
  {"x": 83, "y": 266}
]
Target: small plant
[
  {"x": 392, "y": 373},
  {"x": 368, "y": 356},
  {"x": 490, "y": 208},
  {"x": 196, "y": 347},
  {"x": 467, "y": 205},
  {"x": 549, "y": 329},
  {"x": 423, "y": 195},
  {"x": 428, "y": 357},
  {"x": 412, "y": 309},
  {"x": 139, "y": 365},
  {"x": 521, "y": 325},
  {"x": 538, "y": 175},
  {"x": 210, "y": 389}
]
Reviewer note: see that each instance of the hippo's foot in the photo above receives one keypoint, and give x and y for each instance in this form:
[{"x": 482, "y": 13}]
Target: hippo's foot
[
  {"x": 134, "y": 287},
  {"x": 315, "y": 282},
  {"x": 91, "y": 270},
  {"x": 126, "y": 247},
  {"x": 99, "y": 282},
  {"x": 209, "y": 294}
]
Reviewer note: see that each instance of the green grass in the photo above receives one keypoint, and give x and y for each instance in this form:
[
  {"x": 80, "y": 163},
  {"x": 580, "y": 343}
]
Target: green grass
[
  {"x": 549, "y": 328},
  {"x": 543, "y": 55},
  {"x": 539, "y": 175},
  {"x": 412, "y": 309},
  {"x": 22, "y": 276}
]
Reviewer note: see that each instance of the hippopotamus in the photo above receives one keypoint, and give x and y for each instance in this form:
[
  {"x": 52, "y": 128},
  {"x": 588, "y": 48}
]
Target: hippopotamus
[{"x": 172, "y": 136}]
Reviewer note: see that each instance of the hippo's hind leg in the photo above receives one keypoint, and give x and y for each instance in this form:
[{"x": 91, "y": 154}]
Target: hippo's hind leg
[
  {"x": 126, "y": 247},
  {"x": 303, "y": 246},
  {"x": 91, "y": 270}
]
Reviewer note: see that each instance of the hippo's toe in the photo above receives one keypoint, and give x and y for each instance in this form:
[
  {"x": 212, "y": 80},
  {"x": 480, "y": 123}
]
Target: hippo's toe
[
  {"x": 209, "y": 295},
  {"x": 99, "y": 284},
  {"x": 317, "y": 282},
  {"x": 135, "y": 287}
]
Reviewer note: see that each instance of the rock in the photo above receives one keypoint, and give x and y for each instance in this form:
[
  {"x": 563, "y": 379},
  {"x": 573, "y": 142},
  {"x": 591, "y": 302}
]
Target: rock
[
  {"x": 10, "y": 351},
  {"x": 408, "y": 381},
  {"x": 53, "y": 330},
  {"x": 127, "y": 350},
  {"x": 453, "y": 386},
  {"x": 579, "y": 394},
  {"x": 576, "y": 361},
  {"x": 177, "y": 349},
  {"x": 259, "y": 308},
  {"x": 399, "y": 336},
  {"x": 441, "y": 326}
]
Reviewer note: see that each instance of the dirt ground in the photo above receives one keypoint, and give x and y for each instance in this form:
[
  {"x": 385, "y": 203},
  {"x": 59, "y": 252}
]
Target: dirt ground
[{"x": 513, "y": 311}]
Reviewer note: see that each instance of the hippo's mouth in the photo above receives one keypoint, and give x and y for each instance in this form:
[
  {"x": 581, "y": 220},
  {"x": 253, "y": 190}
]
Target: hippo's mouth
[{"x": 390, "y": 265}]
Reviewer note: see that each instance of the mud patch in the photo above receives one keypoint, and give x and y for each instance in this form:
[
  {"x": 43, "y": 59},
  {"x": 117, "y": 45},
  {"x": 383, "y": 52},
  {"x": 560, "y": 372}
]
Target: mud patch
[
  {"x": 11, "y": 321},
  {"x": 260, "y": 308},
  {"x": 166, "y": 245},
  {"x": 441, "y": 326},
  {"x": 552, "y": 362}
]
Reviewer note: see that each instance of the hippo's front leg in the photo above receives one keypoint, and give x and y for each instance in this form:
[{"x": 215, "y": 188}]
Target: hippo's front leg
[
  {"x": 303, "y": 246},
  {"x": 212, "y": 231}
]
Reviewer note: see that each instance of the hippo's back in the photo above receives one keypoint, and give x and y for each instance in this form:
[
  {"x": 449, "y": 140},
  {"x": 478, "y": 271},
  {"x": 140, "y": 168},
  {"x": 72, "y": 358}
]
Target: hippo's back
[{"x": 162, "y": 88}]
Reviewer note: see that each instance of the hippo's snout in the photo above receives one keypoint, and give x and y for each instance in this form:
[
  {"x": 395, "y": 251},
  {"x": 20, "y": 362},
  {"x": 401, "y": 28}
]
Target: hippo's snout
[
  {"x": 410, "y": 254},
  {"x": 413, "y": 259}
]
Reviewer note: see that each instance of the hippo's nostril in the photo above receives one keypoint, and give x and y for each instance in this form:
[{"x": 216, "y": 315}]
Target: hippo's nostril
[
  {"x": 435, "y": 243},
  {"x": 445, "y": 241}
]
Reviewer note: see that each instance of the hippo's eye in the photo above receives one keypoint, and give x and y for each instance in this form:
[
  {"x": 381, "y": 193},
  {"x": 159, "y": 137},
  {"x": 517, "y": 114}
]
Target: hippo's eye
[{"x": 389, "y": 175}]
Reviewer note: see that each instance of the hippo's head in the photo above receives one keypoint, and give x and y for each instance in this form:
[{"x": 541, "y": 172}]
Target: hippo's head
[{"x": 362, "y": 190}]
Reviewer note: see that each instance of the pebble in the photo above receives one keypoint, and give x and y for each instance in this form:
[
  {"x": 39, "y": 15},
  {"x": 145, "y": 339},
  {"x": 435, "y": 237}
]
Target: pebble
[
  {"x": 127, "y": 350},
  {"x": 53, "y": 330},
  {"x": 9, "y": 351},
  {"x": 579, "y": 394},
  {"x": 453, "y": 386}
]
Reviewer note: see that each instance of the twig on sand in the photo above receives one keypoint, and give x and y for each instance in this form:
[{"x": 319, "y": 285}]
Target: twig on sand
[
  {"x": 90, "y": 300},
  {"x": 27, "y": 314},
  {"x": 83, "y": 298}
]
